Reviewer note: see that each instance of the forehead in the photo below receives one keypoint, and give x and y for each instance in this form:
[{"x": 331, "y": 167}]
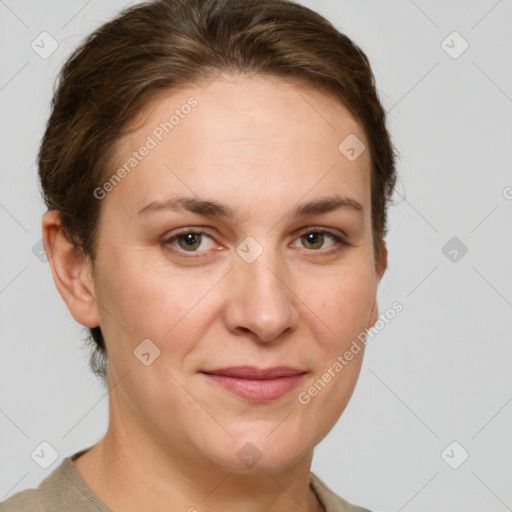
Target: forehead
[
  {"x": 273, "y": 134},
  {"x": 262, "y": 105}
]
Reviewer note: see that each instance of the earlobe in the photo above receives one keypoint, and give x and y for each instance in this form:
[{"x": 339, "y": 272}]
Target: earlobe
[
  {"x": 382, "y": 263},
  {"x": 71, "y": 271},
  {"x": 380, "y": 268},
  {"x": 374, "y": 314}
]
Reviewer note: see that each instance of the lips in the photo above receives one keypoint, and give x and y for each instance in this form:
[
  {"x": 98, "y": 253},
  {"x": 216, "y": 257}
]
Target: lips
[
  {"x": 254, "y": 373},
  {"x": 257, "y": 384}
]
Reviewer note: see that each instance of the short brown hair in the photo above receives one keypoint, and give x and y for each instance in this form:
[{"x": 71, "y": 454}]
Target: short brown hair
[{"x": 158, "y": 46}]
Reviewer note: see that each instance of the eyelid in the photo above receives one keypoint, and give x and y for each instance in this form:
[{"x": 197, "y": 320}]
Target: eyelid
[{"x": 323, "y": 229}]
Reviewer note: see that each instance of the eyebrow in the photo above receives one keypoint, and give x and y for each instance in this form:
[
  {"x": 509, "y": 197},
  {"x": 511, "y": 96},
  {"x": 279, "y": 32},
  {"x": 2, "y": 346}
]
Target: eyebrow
[{"x": 215, "y": 209}]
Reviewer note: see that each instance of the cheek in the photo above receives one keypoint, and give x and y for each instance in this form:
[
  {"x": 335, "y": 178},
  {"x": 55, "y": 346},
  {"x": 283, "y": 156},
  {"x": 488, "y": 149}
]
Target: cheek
[
  {"x": 148, "y": 299},
  {"x": 344, "y": 304}
]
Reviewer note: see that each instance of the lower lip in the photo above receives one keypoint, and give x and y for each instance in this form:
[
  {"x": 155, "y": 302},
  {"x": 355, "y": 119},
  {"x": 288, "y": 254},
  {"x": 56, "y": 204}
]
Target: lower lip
[{"x": 258, "y": 390}]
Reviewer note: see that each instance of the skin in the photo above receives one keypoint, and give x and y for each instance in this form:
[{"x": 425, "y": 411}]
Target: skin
[{"x": 262, "y": 146}]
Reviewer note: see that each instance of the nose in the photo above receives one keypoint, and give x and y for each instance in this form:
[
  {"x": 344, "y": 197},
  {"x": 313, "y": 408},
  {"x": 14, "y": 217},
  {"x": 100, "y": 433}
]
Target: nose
[{"x": 261, "y": 299}]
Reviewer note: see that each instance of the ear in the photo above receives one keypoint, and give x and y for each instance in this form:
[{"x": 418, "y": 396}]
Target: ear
[
  {"x": 72, "y": 271},
  {"x": 380, "y": 267}
]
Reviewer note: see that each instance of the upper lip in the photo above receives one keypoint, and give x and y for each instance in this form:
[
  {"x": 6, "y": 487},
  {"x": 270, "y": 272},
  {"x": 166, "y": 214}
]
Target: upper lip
[{"x": 253, "y": 372}]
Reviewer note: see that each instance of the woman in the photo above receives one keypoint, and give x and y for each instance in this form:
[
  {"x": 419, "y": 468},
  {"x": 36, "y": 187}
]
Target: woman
[{"x": 217, "y": 176}]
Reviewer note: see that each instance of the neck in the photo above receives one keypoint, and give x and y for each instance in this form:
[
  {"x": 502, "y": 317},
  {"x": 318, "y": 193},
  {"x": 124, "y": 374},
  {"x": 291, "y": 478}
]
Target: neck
[{"x": 129, "y": 471}]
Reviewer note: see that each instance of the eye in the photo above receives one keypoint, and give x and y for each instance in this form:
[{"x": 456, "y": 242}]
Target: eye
[
  {"x": 189, "y": 241},
  {"x": 315, "y": 238}
]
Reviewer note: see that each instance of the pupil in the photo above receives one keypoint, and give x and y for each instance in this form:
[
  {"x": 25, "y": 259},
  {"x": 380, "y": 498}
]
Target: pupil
[
  {"x": 312, "y": 238},
  {"x": 188, "y": 238}
]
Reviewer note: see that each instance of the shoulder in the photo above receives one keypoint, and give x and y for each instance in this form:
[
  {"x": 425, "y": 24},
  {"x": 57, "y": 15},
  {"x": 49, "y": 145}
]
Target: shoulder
[
  {"x": 331, "y": 501},
  {"x": 23, "y": 501},
  {"x": 62, "y": 490}
]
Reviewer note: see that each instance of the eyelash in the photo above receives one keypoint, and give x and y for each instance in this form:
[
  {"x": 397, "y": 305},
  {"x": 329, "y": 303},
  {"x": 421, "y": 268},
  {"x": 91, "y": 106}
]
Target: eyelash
[{"x": 340, "y": 242}]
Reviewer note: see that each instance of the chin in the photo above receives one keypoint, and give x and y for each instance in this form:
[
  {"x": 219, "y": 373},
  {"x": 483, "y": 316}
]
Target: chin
[{"x": 260, "y": 452}]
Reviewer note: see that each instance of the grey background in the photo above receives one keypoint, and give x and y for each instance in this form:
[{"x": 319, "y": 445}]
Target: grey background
[{"x": 441, "y": 371}]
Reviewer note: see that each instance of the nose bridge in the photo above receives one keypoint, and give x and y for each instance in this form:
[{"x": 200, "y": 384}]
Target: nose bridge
[{"x": 263, "y": 302}]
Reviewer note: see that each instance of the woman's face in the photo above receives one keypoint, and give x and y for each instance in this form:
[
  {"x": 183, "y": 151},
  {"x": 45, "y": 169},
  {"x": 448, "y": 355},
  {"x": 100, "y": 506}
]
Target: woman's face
[{"x": 260, "y": 286}]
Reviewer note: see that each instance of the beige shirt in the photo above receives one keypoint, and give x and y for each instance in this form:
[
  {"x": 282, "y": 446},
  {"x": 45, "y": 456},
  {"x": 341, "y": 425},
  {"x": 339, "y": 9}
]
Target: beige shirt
[{"x": 64, "y": 490}]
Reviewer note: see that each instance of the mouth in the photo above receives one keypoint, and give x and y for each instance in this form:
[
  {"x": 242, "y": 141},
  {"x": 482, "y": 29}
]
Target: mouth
[{"x": 257, "y": 384}]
